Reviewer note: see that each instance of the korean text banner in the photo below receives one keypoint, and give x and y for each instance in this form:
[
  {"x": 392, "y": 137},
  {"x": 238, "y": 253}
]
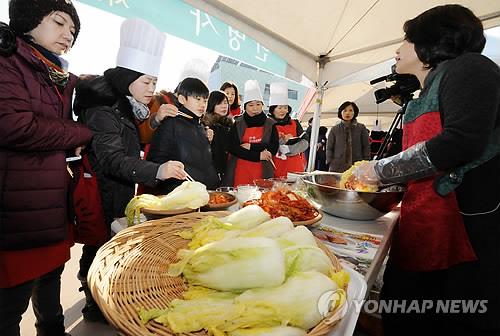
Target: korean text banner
[{"x": 182, "y": 20}]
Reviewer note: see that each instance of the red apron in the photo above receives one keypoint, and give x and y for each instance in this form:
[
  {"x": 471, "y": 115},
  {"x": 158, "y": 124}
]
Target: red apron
[
  {"x": 247, "y": 171},
  {"x": 234, "y": 112},
  {"x": 295, "y": 163},
  {"x": 431, "y": 233}
]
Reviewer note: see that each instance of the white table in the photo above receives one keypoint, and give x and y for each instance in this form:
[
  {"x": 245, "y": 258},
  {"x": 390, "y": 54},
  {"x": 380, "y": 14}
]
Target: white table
[{"x": 382, "y": 226}]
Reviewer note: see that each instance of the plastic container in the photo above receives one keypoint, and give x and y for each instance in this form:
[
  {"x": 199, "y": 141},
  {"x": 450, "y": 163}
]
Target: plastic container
[{"x": 356, "y": 291}]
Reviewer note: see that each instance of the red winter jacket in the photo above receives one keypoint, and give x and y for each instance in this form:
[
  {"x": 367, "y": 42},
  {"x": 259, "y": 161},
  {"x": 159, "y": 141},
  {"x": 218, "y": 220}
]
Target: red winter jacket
[{"x": 36, "y": 131}]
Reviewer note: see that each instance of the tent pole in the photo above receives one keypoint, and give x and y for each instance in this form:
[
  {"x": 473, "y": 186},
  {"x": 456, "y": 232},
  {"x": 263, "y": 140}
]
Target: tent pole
[{"x": 320, "y": 91}]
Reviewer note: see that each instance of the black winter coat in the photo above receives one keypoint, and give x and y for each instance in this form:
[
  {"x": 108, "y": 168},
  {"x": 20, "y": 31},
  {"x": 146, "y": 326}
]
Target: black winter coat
[
  {"x": 221, "y": 127},
  {"x": 185, "y": 140},
  {"x": 115, "y": 148}
]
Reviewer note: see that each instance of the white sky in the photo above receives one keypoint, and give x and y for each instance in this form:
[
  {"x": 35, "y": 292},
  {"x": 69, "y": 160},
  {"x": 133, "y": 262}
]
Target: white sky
[{"x": 99, "y": 39}]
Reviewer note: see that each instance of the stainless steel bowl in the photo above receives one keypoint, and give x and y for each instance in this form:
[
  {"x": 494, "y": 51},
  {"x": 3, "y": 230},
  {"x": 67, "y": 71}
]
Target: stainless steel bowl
[{"x": 359, "y": 205}]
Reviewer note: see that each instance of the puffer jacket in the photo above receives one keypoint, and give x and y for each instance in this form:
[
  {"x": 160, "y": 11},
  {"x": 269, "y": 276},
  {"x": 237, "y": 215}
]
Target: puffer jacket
[
  {"x": 37, "y": 134},
  {"x": 185, "y": 140},
  {"x": 114, "y": 153}
]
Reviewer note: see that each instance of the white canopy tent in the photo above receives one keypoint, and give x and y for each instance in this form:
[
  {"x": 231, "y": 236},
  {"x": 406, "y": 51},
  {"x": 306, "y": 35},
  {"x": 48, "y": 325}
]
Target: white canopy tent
[{"x": 335, "y": 43}]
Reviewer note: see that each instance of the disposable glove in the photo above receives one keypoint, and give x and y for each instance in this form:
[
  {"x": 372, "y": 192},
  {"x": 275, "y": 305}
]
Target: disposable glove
[
  {"x": 284, "y": 149},
  {"x": 411, "y": 164}
]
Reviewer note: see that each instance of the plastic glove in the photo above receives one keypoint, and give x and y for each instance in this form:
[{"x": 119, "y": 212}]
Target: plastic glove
[
  {"x": 281, "y": 156},
  {"x": 411, "y": 164},
  {"x": 171, "y": 169},
  {"x": 365, "y": 173},
  {"x": 284, "y": 149}
]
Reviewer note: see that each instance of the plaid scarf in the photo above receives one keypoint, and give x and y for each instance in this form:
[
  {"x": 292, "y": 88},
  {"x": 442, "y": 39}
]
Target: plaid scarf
[
  {"x": 140, "y": 110},
  {"x": 57, "y": 75}
]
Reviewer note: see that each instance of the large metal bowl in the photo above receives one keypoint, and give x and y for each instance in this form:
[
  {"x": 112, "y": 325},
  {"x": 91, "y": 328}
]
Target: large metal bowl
[{"x": 359, "y": 205}]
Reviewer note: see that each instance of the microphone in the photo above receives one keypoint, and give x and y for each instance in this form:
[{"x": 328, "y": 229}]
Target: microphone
[
  {"x": 378, "y": 80},
  {"x": 388, "y": 78}
]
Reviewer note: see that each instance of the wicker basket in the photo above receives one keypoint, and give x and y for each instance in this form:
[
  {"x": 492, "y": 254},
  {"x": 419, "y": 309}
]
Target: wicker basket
[{"x": 129, "y": 272}]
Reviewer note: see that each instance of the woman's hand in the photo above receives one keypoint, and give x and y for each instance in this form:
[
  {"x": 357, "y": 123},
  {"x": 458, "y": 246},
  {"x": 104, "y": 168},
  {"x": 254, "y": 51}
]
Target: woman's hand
[
  {"x": 78, "y": 150},
  {"x": 284, "y": 137},
  {"x": 172, "y": 169},
  {"x": 165, "y": 110},
  {"x": 210, "y": 134},
  {"x": 266, "y": 155}
]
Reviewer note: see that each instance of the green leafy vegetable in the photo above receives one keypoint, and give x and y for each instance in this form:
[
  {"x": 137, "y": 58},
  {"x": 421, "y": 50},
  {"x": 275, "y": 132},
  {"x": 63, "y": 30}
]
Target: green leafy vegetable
[{"x": 233, "y": 264}]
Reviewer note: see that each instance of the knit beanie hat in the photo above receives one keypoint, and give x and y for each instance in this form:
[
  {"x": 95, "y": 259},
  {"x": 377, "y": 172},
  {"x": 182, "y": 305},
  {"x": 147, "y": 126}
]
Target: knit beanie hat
[
  {"x": 26, "y": 15},
  {"x": 121, "y": 78}
]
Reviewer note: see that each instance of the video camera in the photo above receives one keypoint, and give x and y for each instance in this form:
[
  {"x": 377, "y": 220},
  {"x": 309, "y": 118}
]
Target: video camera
[{"x": 403, "y": 87}]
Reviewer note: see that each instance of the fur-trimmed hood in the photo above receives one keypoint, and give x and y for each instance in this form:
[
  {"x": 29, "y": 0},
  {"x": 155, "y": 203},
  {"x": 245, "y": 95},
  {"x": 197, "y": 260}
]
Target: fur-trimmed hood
[
  {"x": 210, "y": 119},
  {"x": 92, "y": 91}
]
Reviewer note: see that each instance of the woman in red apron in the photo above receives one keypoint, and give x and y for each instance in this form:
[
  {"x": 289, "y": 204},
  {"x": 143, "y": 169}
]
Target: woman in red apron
[
  {"x": 290, "y": 157},
  {"x": 253, "y": 141},
  {"x": 231, "y": 91},
  {"x": 446, "y": 248}
]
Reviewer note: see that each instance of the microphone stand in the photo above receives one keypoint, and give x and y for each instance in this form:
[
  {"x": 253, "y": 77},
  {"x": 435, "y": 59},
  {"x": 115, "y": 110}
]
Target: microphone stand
[{"x": 397, "y": 121}]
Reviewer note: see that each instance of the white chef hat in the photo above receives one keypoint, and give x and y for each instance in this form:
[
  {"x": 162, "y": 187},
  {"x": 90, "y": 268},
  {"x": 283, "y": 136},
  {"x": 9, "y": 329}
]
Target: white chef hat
[
  {"x": 278, "y": 94},
  {"x": 141, "y": 47},
  {"x": 196, "y": 68},
  {"x": 252, "y": 92}
]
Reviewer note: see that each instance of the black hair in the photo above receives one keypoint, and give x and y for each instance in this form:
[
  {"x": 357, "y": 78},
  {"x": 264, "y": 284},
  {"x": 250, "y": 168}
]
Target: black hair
[
  {"x": 344, "y": 106},
  {"x": 272, "y": 107},
  {"x": 444, "y": 32},
  {"x": 310, "y": 120},
  {"x": 192, "y": 87},
  {"x": 322, "y": 130},
  {"x": 215, "y": 98},
  {"x": 260, "y": 101},
  {"x": 120, "y": 79},
  {"x": 8, "y": 43},
  {"x": 236, "y": 102},
  {"x": 26, "y": 15}
]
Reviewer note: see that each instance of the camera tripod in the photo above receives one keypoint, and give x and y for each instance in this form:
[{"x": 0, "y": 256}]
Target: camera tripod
[{"x": 397, "y": 121}]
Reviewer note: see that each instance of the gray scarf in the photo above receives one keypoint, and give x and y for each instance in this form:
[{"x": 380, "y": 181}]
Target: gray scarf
[{"x": 140, "y": 110}]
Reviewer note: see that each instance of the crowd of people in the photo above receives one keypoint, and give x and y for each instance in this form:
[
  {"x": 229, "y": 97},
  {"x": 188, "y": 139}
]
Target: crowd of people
[{"x": 221, "y": 138}]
